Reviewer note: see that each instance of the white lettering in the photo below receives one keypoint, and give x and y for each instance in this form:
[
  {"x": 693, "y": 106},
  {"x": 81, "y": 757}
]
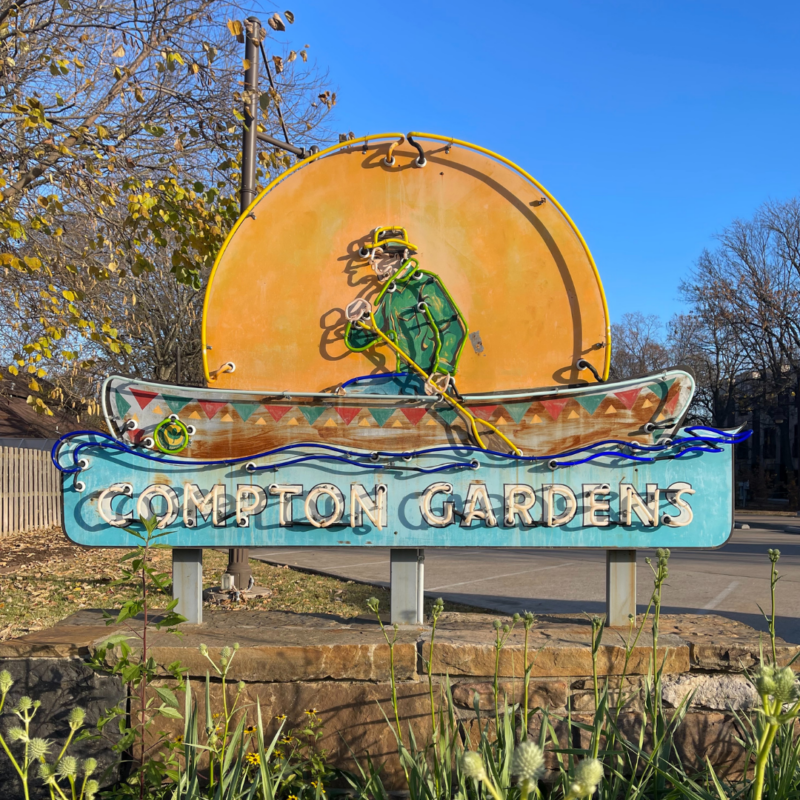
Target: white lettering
[
  {"x": 213, "y": 503},
  {"x": 361, "y": 503},
  {"x": 551, "y": 491},
  {"x": 425, "y": 499},
  {"x": 560, "y": 505},
  {"x": 630, "y": 502},
  {"x": 245, "y": 510},
  {"x": 285, "y": 492},
  {"x": 478, "y": 506},
  {"x": 593, "y": 506},
  {"x": 515, "y": 507},
  {"x": 105, "y": 507},
  {"x": 144, "y": 508},
  {"x": 312, "y": 505},
  {"x": 673, "y": 493}
]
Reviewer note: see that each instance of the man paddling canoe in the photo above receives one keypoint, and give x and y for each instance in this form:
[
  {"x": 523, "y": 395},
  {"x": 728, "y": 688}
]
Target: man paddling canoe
[{"x": 413, "y": 309}]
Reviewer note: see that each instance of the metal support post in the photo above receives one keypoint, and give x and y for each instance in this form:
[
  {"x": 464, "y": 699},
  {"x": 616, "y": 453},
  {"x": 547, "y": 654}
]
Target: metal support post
[
  {"x": 620, "y": 587},
  {"x": 407, "y": 576},
  {"x": 187, "y": 583},
  {"x": 252, "y": 29},
  {"x": 238, "y": 561},
  {"x": 239, "y": 567}
]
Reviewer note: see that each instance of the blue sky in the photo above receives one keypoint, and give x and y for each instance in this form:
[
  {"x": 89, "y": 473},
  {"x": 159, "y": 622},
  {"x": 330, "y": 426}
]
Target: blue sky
[{"x": 655, "y": 124}]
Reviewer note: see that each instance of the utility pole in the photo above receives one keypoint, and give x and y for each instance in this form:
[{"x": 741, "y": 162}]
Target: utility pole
[{"x": 238, "y": 559}]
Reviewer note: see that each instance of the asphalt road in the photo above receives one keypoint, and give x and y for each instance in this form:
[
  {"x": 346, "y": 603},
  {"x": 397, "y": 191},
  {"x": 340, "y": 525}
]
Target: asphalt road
[{"x": 732, "y": 580}]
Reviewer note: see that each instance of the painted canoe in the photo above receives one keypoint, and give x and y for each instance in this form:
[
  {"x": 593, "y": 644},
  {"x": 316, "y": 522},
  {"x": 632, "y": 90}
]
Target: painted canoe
[{"x": 227, "y": 424}]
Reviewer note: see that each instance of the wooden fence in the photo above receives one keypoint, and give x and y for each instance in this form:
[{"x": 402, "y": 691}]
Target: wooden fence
[{"x": 30, "y": 490}]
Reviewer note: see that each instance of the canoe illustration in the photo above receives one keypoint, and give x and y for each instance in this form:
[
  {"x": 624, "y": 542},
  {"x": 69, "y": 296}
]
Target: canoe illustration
[{"x": 392, "y": 413}]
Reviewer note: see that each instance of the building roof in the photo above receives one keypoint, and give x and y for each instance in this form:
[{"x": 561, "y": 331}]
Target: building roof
[{"x": 18, "y": 420}]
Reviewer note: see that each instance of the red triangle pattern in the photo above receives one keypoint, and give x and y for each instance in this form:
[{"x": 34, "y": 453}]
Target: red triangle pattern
[
  {"x": 210, "y": 408},
  {"x": 348, "y": 414},
  {"x": 555, "y": 407},
  {"x": 628, "y": 398},
  {"x": 278, "y": 412},
  {"x": 483, "y": 412},
  {"x": 414, "y": 415},
  {"x": 669, "y": 406},
  {"x": 143, "y": 397}
]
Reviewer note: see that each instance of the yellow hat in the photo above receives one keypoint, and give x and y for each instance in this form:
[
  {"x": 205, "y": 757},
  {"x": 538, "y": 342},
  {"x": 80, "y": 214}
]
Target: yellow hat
[{"x": 388, "y": 237}]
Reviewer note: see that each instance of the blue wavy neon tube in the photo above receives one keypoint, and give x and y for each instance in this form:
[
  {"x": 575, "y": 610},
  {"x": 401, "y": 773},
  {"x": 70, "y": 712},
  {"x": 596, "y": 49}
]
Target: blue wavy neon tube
[{"x": 105, "y": 440}]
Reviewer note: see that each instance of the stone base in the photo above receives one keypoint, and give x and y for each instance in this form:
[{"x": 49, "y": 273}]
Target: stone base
[{"x": 291, "y": 663}]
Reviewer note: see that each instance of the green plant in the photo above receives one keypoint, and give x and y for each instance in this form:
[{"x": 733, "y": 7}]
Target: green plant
[
  {"x": 436, "y": 610},
  {"x": 501, "y": 633},
  {"x": 779, "y": 694},
  {"x": 586, "y": 779},
  {"x": 528, "y": 620},
  {"x": 474, "y": 769},
  {"x": 374, "y": 606},
  {"x": 65, "y": 768},
  {"x": 138, "y": 671},
  {"x": 528, "y": 767}
]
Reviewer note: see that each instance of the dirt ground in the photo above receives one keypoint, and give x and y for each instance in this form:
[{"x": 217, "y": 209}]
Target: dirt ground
[{"x": 44, "y": 577}]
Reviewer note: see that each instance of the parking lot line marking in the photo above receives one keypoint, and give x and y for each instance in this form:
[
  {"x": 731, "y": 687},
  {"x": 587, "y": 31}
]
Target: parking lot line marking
[
  {"x": 497, "y": 577},
  {"x": 721, "y": 596}
]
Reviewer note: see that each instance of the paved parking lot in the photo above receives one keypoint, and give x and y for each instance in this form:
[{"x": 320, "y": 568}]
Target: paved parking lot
[{"x": 731, "y": 581}]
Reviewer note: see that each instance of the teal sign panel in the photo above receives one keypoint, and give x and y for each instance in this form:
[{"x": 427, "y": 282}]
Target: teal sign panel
[{"x": 483, "y": 500}]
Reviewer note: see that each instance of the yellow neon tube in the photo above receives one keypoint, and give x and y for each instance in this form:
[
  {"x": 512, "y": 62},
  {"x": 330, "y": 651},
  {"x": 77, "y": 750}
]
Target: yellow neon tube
[
  {"x": 374, "y": 327},
  {"x": 246, "y": 213},
  {"x": 509, "y": 163}
]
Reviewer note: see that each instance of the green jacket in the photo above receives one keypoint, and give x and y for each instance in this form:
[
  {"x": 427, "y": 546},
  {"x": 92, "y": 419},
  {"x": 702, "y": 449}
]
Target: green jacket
[{"x": 432, "y": 336}]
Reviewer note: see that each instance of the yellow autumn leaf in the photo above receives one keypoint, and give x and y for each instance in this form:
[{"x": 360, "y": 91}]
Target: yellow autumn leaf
[
  {"x": 235, "y": 27},
  {"x": 119, "y": 52}
]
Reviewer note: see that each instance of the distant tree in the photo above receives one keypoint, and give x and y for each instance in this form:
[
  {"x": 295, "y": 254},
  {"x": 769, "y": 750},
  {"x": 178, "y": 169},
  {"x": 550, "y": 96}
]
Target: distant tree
[
  {"x": 707, "y": 346},
  {"x": 749, "y": 285},
  {"x": 637, "y": 346}
]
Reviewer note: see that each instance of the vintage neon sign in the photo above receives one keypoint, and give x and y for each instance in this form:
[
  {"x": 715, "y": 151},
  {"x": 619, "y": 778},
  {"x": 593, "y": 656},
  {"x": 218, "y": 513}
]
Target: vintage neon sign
[{"x": 401, "y": 354}]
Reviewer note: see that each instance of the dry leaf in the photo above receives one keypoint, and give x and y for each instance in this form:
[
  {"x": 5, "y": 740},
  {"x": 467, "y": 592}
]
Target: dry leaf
[
  {"x": 276, "y": 23},
  {"x": 278, "y": 64},
  {"x": 291, "y": 57},
  {"x": 289, "y": 16},
  {"x": 119, "y": 52},
  {"x": 304, "y": 55}
]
